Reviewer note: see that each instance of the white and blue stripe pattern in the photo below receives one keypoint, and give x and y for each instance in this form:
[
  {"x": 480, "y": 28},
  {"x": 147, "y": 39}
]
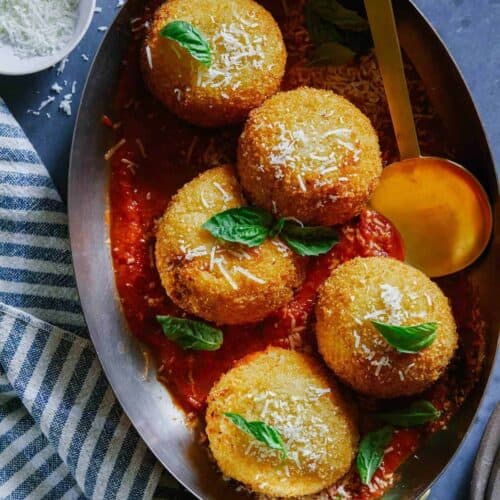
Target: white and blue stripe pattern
[{"x": 62, "y": 432}]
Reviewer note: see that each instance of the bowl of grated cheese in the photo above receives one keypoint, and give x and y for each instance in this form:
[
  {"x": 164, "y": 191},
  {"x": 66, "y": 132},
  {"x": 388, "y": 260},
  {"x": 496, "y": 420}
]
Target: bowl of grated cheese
[{"x": 36, "y": 34}]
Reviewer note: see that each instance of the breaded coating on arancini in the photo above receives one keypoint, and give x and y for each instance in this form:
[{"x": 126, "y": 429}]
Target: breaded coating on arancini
[
  {"x": 291, "y": 392},
  {"x": 226, "y": 283},
  {"x": 310, "y": 154},
  {"x": 248, "y": 60},
  {"x": 388, "y": 291}
]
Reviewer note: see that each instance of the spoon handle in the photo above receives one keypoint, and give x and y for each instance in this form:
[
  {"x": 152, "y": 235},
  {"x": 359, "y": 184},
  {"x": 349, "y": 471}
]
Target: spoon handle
[{"x": 385, "y": 37}]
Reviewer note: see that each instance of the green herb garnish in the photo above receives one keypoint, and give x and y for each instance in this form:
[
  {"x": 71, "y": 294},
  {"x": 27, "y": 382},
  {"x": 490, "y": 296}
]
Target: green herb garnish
[
  {"x": 191, "y": 334},
  {"x": 337, "y": 32},
  {"x": 331, "y": 53},
  {"x": 308, "y": 240},
  {"x": 418, "y": 413},
  {"x": 260, "y": 431},
  {"x": 251, "y": 226},
  {"x": 187, "y": 36},
  {"x": 408, "y": 339},
  {"x": 335, "y": 13},
  {"x": 371, "y": 452}
]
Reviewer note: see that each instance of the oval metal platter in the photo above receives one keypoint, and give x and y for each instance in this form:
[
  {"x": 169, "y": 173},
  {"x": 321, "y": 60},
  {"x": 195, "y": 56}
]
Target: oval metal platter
[{"x": 148, "y": 404}]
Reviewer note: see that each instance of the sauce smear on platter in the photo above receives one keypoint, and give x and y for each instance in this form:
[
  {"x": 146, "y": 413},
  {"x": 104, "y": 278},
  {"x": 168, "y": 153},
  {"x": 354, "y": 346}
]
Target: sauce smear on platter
[{"x": 157, "y": 153}]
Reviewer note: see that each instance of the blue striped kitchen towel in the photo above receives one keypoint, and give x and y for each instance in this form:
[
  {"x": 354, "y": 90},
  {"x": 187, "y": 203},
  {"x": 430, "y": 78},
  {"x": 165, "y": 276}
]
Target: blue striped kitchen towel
[{"x": 63, "y": 434}]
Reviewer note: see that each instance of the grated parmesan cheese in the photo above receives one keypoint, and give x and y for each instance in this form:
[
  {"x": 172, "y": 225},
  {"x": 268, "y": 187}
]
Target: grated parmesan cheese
[
  {"x": 225, "y": 195},
  {"x": 37, "y": 27},
  {"x": 342, "y": 493},
  {"x": 65, "y": 104},
  {"x": 282, "y": 248},
  {"x": 249, "y": 275},
  {"x": 327, "y": 170},
  {"x": 149, "y": 57},
  {"x": 296, "y": 148},
  {"x": 392, "y": 298},
  {"x": 357, "y": 339},
  {"x": 111, "y": 151},
  {"x": 61, "y": 67},
  {"x": 56, "y": 88},
  {"x": 301, "y": 183},
  {"x": 46, "y": 102},
  {"x": 212, "y": 258},
  {"x": 240, "y": 254},
  {"x": 226, "y": 275},
  {"x": 232, "y": 48},
  {"x": 130, "y": 164},
  {"x": 307, "y": 438},
  {"x": 199, "y": 251},
  {"x": 383, "y": 361}
]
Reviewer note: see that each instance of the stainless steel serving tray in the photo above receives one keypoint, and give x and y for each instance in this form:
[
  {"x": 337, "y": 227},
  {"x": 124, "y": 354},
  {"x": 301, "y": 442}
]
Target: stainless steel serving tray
[{"x": 147, "y": 403}]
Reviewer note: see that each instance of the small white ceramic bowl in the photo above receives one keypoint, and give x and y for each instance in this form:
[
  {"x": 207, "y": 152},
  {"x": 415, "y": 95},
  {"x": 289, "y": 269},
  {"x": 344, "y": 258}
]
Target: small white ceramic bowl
[{"x": 10, "y": 64}]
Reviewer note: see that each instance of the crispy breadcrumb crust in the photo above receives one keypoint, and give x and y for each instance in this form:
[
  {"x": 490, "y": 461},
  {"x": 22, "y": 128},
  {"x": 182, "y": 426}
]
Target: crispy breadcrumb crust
[
  {"x": 271, "y": 179},
  {"x": 173, "y": 77},
  {"x": 195, "y": 282},
  {"x": 286, "y": 379},
  {"x": 353, "y": 348}
]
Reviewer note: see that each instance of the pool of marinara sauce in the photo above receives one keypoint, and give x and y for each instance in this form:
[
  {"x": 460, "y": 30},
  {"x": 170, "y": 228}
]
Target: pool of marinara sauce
[{"x": 161, "y": 153}]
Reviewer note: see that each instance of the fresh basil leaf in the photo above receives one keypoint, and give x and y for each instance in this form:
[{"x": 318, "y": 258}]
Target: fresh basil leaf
[
  {"x": 371, "y": 452},
  {"x": 360, "y": 42},
  {"x": 260, "y": 431},
  {"x": 408, "y": 339},
  {"x": 191, "y": 334},
  {"x": 308, "y": 240},
  {"x": 418, "y": 413},
  {"x": 187, "y": 36},
  {"x": 331, "y": 54},
  {"x": 330, "y": 24},
  {"x": 277, "y": 228},
  {"x": 249, "y": 226},
  {"x": 320, "y": 31},
  {"x": 338, "y": 15}
]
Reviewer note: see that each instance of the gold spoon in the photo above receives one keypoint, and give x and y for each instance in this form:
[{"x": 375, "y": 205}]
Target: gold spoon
[{"x": 439, "y": 207}]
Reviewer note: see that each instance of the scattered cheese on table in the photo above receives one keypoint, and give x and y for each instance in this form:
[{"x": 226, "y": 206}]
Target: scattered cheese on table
[{"x": 56, "y": 88}]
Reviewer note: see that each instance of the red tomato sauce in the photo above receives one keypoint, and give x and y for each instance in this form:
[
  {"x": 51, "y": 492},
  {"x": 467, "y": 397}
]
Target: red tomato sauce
[{"x": 159, "y": 155}]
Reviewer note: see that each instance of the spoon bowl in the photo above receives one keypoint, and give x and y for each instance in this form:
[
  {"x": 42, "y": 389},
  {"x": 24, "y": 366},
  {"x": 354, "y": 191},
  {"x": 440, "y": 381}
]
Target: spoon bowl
[{"x": 441, "y": 211}]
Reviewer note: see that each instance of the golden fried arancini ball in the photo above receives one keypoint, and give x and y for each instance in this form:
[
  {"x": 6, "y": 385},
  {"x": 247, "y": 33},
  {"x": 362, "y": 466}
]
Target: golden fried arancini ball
[
  {"x": 291, "y": 392},
  {"x": 248, "y": 60},
  {"x": 309, "y": 154},
  {"x": 222, "y": 282},
  {"x": 388, "y": 291}
]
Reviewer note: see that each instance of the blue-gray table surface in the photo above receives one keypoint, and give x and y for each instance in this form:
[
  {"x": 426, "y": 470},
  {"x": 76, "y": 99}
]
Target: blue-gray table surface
[{"x": 468, "y": 27}]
